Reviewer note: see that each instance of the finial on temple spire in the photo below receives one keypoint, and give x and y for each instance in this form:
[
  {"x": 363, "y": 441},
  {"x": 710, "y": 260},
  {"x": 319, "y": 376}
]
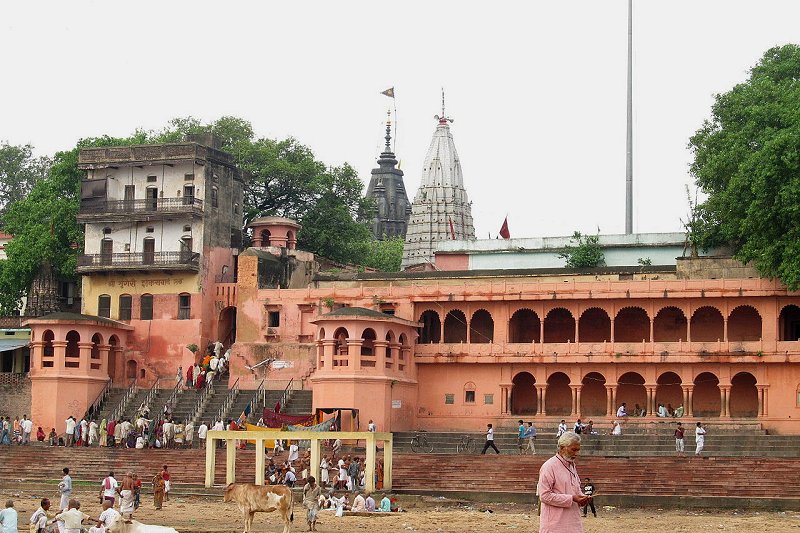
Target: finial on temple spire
[
  {"x": 443, "y": 119},
  {"x": 388, "y": 130}
]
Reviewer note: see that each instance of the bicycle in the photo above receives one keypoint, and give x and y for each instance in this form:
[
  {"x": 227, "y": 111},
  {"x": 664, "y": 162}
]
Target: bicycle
[
  {"x": 420, "y": 443},
  {"x": 466, "y": 444}
]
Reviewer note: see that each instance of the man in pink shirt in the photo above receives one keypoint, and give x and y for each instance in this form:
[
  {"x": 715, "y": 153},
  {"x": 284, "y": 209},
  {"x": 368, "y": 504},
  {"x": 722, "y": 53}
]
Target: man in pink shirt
[{"x": 559, "y": 489}]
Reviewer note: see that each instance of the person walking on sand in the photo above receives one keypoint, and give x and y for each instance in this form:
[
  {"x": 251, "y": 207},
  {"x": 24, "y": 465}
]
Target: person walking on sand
[
  {"x": 559, "y": 489},
  {"x": 158, "y": 491},
  {"x": 489, "y": 440}
]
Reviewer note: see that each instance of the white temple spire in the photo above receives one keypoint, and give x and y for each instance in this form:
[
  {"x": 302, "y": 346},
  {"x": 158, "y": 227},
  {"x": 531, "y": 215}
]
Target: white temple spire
[{"x": 441, "y": 209}]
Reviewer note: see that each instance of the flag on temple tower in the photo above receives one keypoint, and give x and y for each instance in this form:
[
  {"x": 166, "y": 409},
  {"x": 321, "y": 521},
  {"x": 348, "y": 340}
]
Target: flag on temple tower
[
  {"x": 504, "y": 233},
  {"x": 389, "y": 92}
]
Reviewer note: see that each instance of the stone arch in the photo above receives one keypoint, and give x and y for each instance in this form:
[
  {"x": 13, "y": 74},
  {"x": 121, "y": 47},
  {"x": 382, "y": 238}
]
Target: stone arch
[
  {"x": 631, "y": 391},
  {"x": 321, "y": 334},
  {"x": 707, "y": 325},
  {"x": 744, "y": 396},
  {"x": 632, "y": 324},
  {"x": 789, "y": 323},
  {"x": 481, "y": 327},
  {"x": 469, "y": 393},
  {"x": 368, "y": 338},
  {"x": 524, "y": 326},
  {"x": 594, "y": 325},
  {"x": 593, "y": 394},
  {"x": 403, "y": 339},
  {"x": 390, "y": 340},
  {"x": 559, "y": 326},
  {"x": 455, "y": 327},
  {"x": 744, "y": 324},
  {"x": 73, "y": 350},
  {"x": 113, "y": 342},
  {"x": 670, "y": 325},
  {"x": 341, "y": 335},
  {"x": 431, "y": 328},
  {"x": 130, "y": 369},
  {"x": 48, "y": 337},
  {"x": 265, "y": 237},
  {"x": 226, "y": 328},
  {"x": 669, "y": 390},
  {"x": 97, "y": 340},
  {"x": 290, "y": 242},
  {"x": 705, "y": 398},
  {"x": 558, "y": 397},
  {"x": 523, "y": 394}
]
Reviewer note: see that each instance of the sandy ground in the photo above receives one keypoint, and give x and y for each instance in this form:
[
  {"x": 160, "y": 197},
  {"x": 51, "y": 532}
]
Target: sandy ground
[{"x": 427, "y": 515}]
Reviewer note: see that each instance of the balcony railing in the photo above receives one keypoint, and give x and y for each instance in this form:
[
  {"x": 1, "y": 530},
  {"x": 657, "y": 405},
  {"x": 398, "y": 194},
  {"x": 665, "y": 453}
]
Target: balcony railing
[
  {"x": 135, "y": 261},
  {"x": 145, "y": 206}
]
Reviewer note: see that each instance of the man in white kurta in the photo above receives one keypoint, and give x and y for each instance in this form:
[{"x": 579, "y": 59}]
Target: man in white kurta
[
  {"x": 559, "y": 489},
  {"x": 106, "y": 518}
]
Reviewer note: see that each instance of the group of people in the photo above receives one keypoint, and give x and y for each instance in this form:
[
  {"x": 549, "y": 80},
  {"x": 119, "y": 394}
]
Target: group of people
[
  {"x": 18, "y": 431},
  {"x": 315, "y": 499},
  {"x": 662, "y": 411},
  {"x": 213, "y": 364}
]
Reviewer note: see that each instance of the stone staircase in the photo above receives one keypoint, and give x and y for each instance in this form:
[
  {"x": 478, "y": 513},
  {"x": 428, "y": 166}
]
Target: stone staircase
[
  {"x": 635, "y": 442},
  {"x": 662, "y": 481}
]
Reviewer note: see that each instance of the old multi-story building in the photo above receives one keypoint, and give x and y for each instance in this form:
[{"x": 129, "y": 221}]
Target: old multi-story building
[
  {"x": 387, "y": 190},
  {"x": 163, "y": 227}
]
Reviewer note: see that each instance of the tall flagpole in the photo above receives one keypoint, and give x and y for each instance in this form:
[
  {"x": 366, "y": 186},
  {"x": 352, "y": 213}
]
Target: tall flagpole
[{"x": 629, "y": 146}]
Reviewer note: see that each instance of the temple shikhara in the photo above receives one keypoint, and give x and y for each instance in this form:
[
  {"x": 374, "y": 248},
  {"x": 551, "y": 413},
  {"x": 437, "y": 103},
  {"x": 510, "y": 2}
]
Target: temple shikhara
[{"x": 471, "y": 332}]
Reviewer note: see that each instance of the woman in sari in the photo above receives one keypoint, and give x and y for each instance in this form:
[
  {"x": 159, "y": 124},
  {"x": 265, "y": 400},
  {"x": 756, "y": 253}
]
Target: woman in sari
[{"x": 103, "y": 432}]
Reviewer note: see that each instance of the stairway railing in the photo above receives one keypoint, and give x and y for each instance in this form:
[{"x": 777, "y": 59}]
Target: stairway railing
[
  {"x": 202, "y": 399},
  {"x": 95, "y": 406},
  {"x": 258, "y": 396},
  {"x": 125, "y": 400},
  {"x": 228, "y": 403},
  {"x": 287, "y": 394},
  {"x": 170, "y": 401}
]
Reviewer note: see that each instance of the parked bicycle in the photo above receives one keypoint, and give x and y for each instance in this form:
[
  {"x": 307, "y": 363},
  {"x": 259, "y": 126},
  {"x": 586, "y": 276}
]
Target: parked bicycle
[
  {"x": 467, "y": 444},
  {"x": 420, "y": 443}
]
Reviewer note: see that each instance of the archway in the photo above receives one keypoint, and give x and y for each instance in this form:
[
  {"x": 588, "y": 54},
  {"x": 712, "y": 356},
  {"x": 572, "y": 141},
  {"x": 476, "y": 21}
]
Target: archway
[
  {"x": 455, "y": 327},
  {"x": 669, "y": 325},
  {"x": 113, "y": 342},
  {"x": 669, "y": 390},
  {"x": 789, "y": 323},
  {"x": 558, "y": 397},
  {"x": 523, "y": 394},
  {"x": 481, "y": 327},
  {"x": 97, "y": 340},
  {"x": 431, "y": 328},
  {"x": 744, "y": 396},
  {"x": 593, "y": 394},
  {"x": 705, "y": 398},
  {"x": 523, "y": 327},
  {"x": 390, "y": 348},
  {"x": 707, "y": 325},
  {"x": 594, "y": 326},
  {"x": 226, "y": 327},
  {"x": 632, "y": 325},
  {"x": 341, "y": 349},
  {"x": 744, "y": 324},
  {"x": 73, "y": 351},
  {"x": 631, "y": 391},
  {"x": 130, "y": 369},
  {"x": 559, "y": 326},
  {"x": 368, "y": 342},
  {"x": 265, "y": 238}
]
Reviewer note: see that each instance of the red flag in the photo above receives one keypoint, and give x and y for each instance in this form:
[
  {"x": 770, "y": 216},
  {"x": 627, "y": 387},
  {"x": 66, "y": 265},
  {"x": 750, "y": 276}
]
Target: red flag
[
  {"x": 452, "y": 230},
  {"x": 504, "y": 233}
]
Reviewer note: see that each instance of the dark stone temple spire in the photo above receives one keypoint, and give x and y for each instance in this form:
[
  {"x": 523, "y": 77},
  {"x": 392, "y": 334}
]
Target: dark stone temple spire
[{"x": 386, "y": 188}]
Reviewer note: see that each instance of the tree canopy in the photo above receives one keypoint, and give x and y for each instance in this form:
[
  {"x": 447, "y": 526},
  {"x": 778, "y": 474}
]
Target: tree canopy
[
  {"x": 747, "y": 162},
  {"x": 19, "y": 171}
]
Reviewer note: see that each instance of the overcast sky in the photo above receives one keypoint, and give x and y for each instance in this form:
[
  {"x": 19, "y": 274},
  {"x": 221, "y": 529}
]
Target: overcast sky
[{"x": 537, "y": 89}]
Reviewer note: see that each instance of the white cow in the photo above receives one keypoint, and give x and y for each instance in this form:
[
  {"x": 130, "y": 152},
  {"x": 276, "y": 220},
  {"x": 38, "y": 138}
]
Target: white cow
[{"x": 121, "y": 525}]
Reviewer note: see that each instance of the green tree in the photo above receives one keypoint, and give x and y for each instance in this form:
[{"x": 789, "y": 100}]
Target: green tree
[
  {"x": 44, "y": 224},
  {"x": 586, "y": 253},
  {"x": 19, "y": 171},
  {"x": 384, "y": 255},
  {"x": 747, "y": 162}
]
